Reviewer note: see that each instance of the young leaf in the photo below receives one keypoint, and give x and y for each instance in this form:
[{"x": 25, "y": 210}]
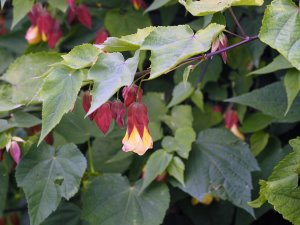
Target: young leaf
[
  {"x": 81, "y": 56},
  {"x": 125, "y": 205},
  {"x": 206, "y": 7},
  {"x": 59, "y": 93},
  {"x": 197, "y": 99},
  {"x": 168, "y": 52},
  {"x": 280, "y": 29},
  {"x": 281, "y": 189},
  {"x": 220, "y": 164},
  {"x": 176, "y": 169},
  {"x": 292, "y": 87},
  {"x": 54, "y": 173},
  {"x": 181, "y": 92},
  {"x": 110, "y": 73},
  {"x": 156, "y": 165},
  {"x": 20, "y": 9},
  {"x": 256, "y": 122},
  {"x": 258, "y": 142}
]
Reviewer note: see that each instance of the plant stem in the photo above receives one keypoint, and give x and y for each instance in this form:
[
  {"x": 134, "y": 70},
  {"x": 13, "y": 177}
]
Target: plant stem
[
  {"x": 91, "y": 163},
  {"x": 233, "y": 34},
  {"x": 237, "y": 23}
]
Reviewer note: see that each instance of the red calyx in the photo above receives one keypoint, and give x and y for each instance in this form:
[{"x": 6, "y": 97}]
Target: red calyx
[
  {"x": 81, "y": 12},
  {"x": 86, "y": 104},
  {"x": 101, "y": 36},
  {"x": 131, "y": 94},
  {"x": 231, "y": 118},
  {"x": 103, "y": 117},
  {"x": 137, "y": 117},
  {"x": 118, "y": 111}
]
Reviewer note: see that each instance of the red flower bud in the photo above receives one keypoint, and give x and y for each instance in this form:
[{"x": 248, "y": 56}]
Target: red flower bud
[
  {"x": 217, "y": 108},
  {"x": 220, "y": 43},
  {"x": 54, "y": 35},
  {"x": 15, "y": 152},
  {"x": 101, "y": 36},
  {"x": 72, "y": 4},
  {"x": 103, "y": 117},
  {"x": 137, "y": 4},
  {"x": 131, "y": 94},
  {"x": 86, "y": 104},
  {"x": 118, "y": 111},
  {"x": 71, "y": 15},
  {"x": 49, "y": 139},
  {"x": 84, "y": 16},
  {"x": 231, "y": 118}
]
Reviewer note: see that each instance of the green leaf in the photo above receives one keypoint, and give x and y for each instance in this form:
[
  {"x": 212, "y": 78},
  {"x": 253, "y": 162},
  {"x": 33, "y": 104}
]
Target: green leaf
[
  {"x": 181, "y": 92},
  {"x": 6, "y": 58},
  {"x": 127, "y": 43},
  {"x": 155, "y": 131},
  {"x": 4, "y": 187},
  {"x": 81, "y": 56},
  {"x": 125, "y": 205},
  {"x": 156, "y": 165},
  {"x": 55, "y": 173},
  {"x": 280, "y": 29},
  {"x": 156, "y": 106},
  {"x": 281, "y": 189},
  {"x": 292, "y": 86},
  {"x": 206, "y": 119},
  {"x": 206, "y": 7},
  {"x": 186, "y": 73},
  {"x": 67, "y": 212},
  {"x": 119, "y": 23},
  {"x": 168, "y": 52},
  {"x": 59, "y": 93},
  {"x": 198, "y": 99},
  {"x": 61, "y": 5},
  {"x": 176, "y": 169},
  {"x": 110, "y": 73},
  {"x": 258, "y": 142},
  {"x": 220, "y": 164},
  {"x": 278, "y": 63},
  {"x": 255, "y": 122},
  {"x": 271, "y": 100},
  {"x": 20, "y": 9},
  {"x": 4, "y": 139},
  {"x": 25, "y": 120},
  {"x": 156, "y": 4},
  {"x": 25, "y": 75}
]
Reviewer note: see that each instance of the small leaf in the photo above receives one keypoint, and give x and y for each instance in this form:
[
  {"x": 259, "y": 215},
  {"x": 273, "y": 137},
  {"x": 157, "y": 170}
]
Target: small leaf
[
  {"x": 156, "y": 106},
  {"x": 258, "y": 142},
  {"x": 280, "y": 29},
  {"x": 181, "y": 92},
  {"x": 292, "y": 87},
  {"x": 176, "y": 169},
  {"x": 156, "y": 165},
  {"x": 186, "y": 73},
  {"x": 47, "y": 166},
  {"x": 81, "y": 56},
  {"x": 255, "y": 122},
  {"x": 125, "y": 205},
  {"x": 59, "y": 93},
  {"x": 184, "y": 138},
  {"x": 20, "y": 9},
  {"x": 198, "y": 99}
]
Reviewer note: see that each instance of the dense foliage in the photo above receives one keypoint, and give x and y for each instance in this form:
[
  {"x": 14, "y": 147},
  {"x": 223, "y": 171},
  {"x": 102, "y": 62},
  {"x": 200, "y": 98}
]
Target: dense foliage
[{"x": 149, "y": 112}]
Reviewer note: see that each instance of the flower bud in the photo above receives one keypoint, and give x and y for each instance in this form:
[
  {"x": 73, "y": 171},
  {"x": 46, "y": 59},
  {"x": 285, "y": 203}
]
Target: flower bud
[
  {"x": 86, "y": 104},
  {"x": 103, "y": 117},
  {"x": 101, "y": 36},
  {"x": 84, "y": 16},
  {"x": 231, "y": 123},
  {"x": 118, "y": 111},
  {"x": 131, "y": 94},
  {"x": 220, "y": 43},
  {"x": 138, "y": 4},
  {"x": 15, "y": 152}
]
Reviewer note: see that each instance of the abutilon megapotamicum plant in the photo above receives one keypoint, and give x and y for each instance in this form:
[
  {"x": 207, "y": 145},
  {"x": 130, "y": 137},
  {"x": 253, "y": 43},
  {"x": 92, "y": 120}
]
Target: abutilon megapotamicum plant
[{"x": 149, "y": 112}]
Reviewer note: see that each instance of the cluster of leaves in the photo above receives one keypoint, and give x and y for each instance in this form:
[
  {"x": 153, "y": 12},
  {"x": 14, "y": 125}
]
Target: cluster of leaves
[{"x": 197, "y": 157}]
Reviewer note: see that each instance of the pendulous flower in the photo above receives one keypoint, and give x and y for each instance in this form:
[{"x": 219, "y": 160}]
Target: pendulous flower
[
  {"x": 131, "y": 94},
  {"x": 137, "y": 137},
  {"x": 103, "y": 117},
  {"x": 86, "y": 104},
  {"x": 231, "y": 122},
  {"x": 101, "y": 36},
  {"x": 118, "y": 111},
  {"x": 80, "y": 12}
]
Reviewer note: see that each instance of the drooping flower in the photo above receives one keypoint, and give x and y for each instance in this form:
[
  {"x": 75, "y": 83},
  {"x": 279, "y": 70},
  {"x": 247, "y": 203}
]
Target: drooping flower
[
  {"x": 118, "y": 111},
  {"x": 15, "y": 151},
  {"x": 137, "y": 137},
  {"x": 231, "y": 122},
  {"x": 81, "y": 12},
  {"x": 138, "y": 4},
  {"x": 220, "y": 43},
  {"x": 33, "y": 36},
  {"x": 101, "y": 36},
  {"x": 103, "y": 117},
  {"x": 131, "y": 94}
]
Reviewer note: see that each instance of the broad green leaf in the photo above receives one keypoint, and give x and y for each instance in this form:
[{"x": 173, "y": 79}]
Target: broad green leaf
[
  {"x": 6, "y": 59},
  {"x": 75, "y": 128},
  {"x": 271, "y": 100},
  {"x": 156, "y": 106},
  {"x": 120, "y": 23},
  {"x": 55, "y": 173},
  {"x": 81, "y": 56},
  {"x": 69, "y": 213},
  {"x": 20, "y": 9},
  {"x": 206, "y": 7},
  {"x": 280, "y": 29},
  {"x": 61, "y": 5},
  {"x": 110, "y": 73},
  {"x": 124, "y": 205},
  {"x": 176, "y": 169},
  {"x": 59, "y": 93},
  {"x": 180, "y": 93},
  {"x": 127, "y": 43},
  {"x": 156, "y": 165},
  {"x": 220, "y": 164},
  {"x": 278, "y": 63},
  {"x": 292, "y": 86},
  {"x": 206, "y": 118},
  {"x": 258, "y": 142},
  {"x": 198, "y": 99},
  {"x": 156, "y": 4},
  {"x": 4, "y": 186},
  {"x": 25, "y": 75},
  {"x": 181, "y": 116},
  {"x": 281, "y": 189},
  {"x": 155, "y": 130},
  {"x": 255, "y": 122},
  {"x": 25, "y": 120},
  {"x": 167, "y": 52}
]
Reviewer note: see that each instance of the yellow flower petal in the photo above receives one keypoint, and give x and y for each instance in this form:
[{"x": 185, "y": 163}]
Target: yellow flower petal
[{"x": 32, "y": 35}]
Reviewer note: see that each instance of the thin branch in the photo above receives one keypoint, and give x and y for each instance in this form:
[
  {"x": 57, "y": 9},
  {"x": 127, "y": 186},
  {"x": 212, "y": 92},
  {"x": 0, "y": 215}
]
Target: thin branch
[
  {"x": 233, "y": 34},
  {"x": 237, "y": 23}
]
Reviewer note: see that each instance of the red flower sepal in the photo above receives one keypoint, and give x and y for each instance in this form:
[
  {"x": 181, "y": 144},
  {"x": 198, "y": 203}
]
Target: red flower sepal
[
  {"x": 103, "y": 117},
  {"x": 118, "y": 111},
  {"x": 131, "y": 94},
  {"x": 86, "y": 104}
]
